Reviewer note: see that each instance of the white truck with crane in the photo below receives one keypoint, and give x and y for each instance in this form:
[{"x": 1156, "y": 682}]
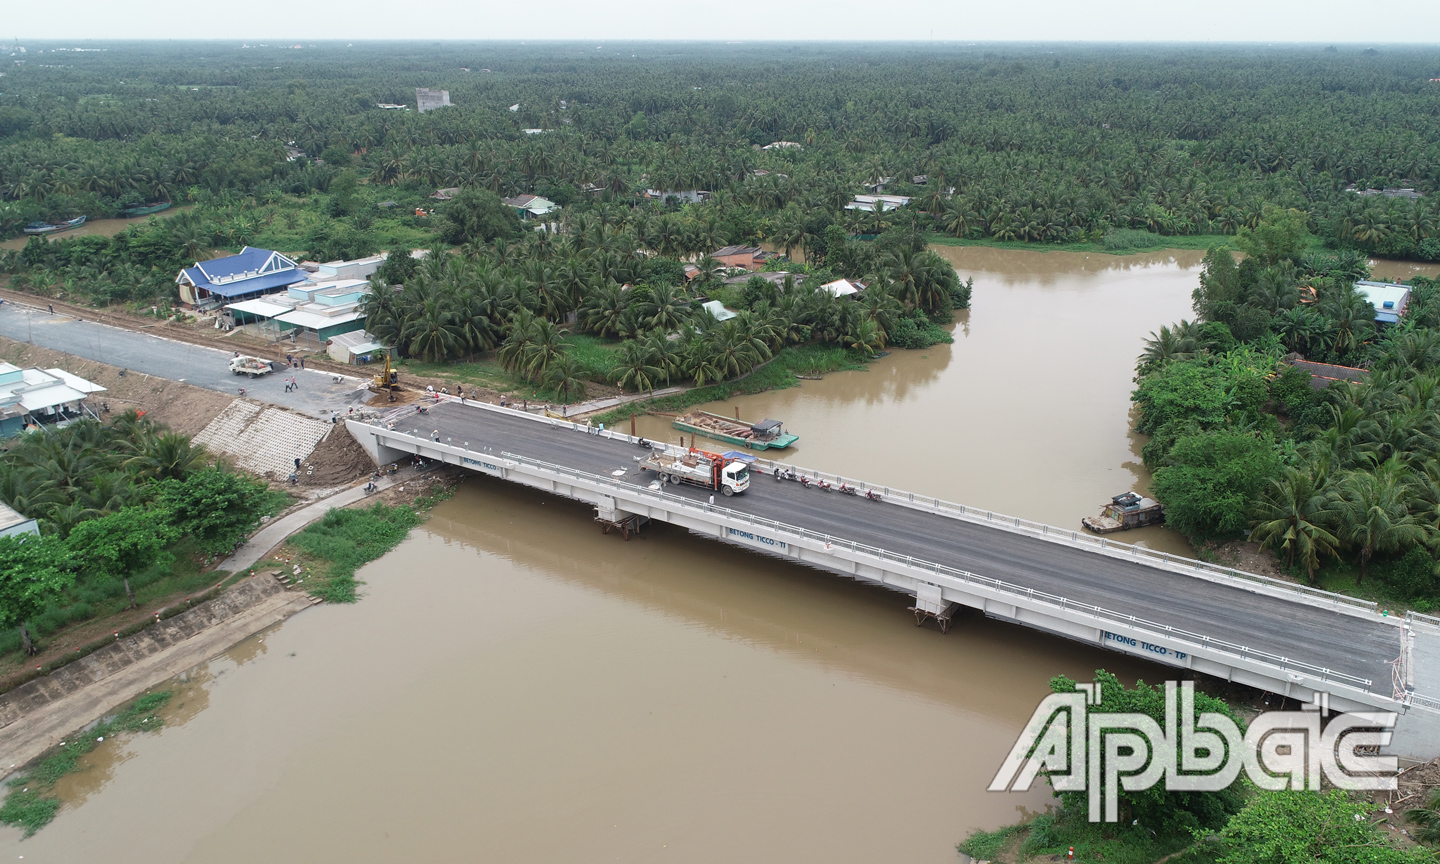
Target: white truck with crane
[{"x": 710, "y": 470}]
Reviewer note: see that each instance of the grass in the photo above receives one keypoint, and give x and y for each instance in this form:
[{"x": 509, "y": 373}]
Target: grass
[
  {"x": 98, "y": 599},
  {"x": 778, "y": 374},
  {"x": 28, "y": 807},
  {"x": 1188, "y": 241},
  {"x": 1053, "y": 835},
  {"x": 92, "y": 600},
  {"x": 331, "y": 550}
]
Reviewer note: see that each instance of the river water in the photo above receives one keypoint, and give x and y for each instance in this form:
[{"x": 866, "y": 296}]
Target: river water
[
  {"x": 1027, "y": 413},
  {"x": 514, "y": 685},
  {"x": 92, "y": 227}
]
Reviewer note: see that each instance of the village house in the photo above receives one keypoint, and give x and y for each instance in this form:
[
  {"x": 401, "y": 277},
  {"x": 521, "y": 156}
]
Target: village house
[
  {"x": 1322, "y": 375},
  {"x": 747, "y": 257},
  {"x": 882, "y": 203},
  {"x": 33, "y": 398},
  {"x": 843, "y": 287},
  {"x": 684, "y": 196},
  {"x": 1390, "y": 299},
  {"x": 250, "y": 273},
  {"x": 531, "y": 206}
]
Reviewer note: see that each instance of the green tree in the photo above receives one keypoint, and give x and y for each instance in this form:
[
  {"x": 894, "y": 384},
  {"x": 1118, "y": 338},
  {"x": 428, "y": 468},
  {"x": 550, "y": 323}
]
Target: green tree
[
  {"x": 636, "y": 368},
  {"x": 215, "y": 506},
  {"x": 1372, "y": 513},
  {"x": 122, "y": 543},
  {"x": 1210, "y": 479},
  {"x": 1281, "y": 235},
  {"x": 477, "y": 214},
  {"x": 1156, "y": 808},
  {"x": 1288, "y": 516},
  {"x": 1427, "y": 818},
  {"x": 34, "y": 572}
]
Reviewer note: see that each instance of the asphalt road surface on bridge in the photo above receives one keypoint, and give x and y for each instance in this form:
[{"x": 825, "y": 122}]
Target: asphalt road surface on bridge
[{"x": 1335, "y": 640}]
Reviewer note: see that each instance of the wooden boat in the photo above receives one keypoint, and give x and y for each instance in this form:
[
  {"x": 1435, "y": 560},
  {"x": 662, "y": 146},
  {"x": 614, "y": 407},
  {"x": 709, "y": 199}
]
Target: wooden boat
[
  {"x": 130, "y": 211},
  {"x": 765, "y": 435},
  {"x": 38, "y": 228},
  {"x": 1125, "y": 512}
]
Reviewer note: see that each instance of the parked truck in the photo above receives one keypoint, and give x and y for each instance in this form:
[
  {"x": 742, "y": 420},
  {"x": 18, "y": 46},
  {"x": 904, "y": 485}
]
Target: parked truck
[
  {"x": 252, "y": 366},
  {"x": 715, "y": 472}
]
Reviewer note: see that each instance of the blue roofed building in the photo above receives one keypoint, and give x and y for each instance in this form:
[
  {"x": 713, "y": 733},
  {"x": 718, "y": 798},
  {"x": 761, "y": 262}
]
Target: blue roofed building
[{"x": 251, "y": 273}]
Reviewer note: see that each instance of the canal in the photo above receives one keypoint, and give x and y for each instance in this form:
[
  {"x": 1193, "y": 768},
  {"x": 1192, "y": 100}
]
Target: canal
[{"x": 514, "y": 685}]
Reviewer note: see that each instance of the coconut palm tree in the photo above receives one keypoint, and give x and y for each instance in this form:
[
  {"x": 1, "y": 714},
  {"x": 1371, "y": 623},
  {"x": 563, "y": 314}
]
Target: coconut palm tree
[
  {"x": 168, "y": 456},
  {"x": 1169, "y": 344},
  {"x": 1288, "y": 516},
  {"x": 636, "y": 368},
  {"x": 1371, "y": 513},
  {"x": 563, "y": 375}
]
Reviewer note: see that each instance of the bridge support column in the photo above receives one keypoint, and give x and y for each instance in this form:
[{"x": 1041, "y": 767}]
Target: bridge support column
[
  {"x": 929, "y": 604},
  {"x": 612, "y": 517}
]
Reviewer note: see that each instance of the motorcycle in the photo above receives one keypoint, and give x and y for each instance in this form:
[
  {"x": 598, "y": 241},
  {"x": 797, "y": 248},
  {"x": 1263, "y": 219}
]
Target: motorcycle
[
  {"x": 370, "y": 487},
  {"x": 646, "y": 444},
  {"x": 823, "y": 485},
  {"x": 848, "y": 490},
  {"x": 872, "y": 495},
  {"x": 805, "y": 481}
]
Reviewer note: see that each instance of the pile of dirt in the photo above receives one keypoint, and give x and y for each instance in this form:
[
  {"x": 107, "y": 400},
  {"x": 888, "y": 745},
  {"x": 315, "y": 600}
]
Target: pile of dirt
[
  {"x": 337, "y": 461},
  {"x": 183, "y": 408},
  {"x": 1249, "y": 557}
]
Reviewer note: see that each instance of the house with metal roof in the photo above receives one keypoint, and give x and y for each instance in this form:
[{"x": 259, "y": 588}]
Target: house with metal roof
[
  {"x": 882, "y": 203},
  {"x": 33, "y": 398},
  {"x": 843, "y": 287},
  {"x": 717, "y": 310},
  {"x": 13, "y": 523},
  {"x": 250, "y": 273},
  {"x": 1389, "y": 299},
  {"x": 531, "y": 206},
  {"x": 748, "y": 257},
  {"x": 315, "y": 311},
  {"x": 1322, "y": 375}
]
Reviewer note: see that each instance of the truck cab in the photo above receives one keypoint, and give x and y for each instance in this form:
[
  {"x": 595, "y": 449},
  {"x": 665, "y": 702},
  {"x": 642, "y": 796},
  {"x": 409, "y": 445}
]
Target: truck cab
[{"x": 735, "y": 478}]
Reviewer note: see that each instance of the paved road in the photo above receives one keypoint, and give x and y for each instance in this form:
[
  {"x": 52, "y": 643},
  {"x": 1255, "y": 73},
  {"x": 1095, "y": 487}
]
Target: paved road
[
  {"x": 317, "y": 395},
  {"x": 1339, "y": 641}
]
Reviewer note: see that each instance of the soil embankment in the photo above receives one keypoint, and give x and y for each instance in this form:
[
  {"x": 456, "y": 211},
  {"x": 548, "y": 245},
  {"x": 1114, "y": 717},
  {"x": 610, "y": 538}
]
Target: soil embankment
[{"x": 37, "y": 715}]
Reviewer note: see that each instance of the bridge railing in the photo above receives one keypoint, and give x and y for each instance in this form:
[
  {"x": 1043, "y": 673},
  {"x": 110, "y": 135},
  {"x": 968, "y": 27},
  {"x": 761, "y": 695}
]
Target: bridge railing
[
  {"x": 1041, "y": 530},
  {"x": 1412, "y": 618},
  {"x": 1198, "y": 640},
  {"x": 1080, "y": 538}
]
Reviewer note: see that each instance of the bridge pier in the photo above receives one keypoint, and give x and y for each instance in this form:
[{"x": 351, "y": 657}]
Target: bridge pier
[{"x": 939, "y": 590}]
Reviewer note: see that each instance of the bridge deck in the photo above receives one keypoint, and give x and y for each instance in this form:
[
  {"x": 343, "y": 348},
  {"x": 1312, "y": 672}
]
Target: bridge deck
[{"x": 1332, "y": 639}]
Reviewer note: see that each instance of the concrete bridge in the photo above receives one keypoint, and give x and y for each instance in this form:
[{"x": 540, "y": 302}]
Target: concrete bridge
[{"x": 1285, "y": 638}]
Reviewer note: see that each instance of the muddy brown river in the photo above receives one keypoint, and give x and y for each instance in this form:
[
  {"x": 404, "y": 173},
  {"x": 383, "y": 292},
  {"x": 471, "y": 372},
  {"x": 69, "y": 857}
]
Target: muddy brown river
[{"x": 516, "y": 686}]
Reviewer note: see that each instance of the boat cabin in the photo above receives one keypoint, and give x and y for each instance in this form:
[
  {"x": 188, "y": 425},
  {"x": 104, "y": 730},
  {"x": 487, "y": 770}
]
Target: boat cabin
[{"x": 1126, "y": 511}]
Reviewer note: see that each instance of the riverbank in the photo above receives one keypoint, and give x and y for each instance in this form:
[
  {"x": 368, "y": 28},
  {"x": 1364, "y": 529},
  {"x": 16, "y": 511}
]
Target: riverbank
[
  {"x": 777, "y": 374},
  {"x": 1199, "y": 242}
]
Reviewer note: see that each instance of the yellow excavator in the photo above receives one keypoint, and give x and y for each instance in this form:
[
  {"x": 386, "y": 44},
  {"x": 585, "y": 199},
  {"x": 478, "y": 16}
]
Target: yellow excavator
[{"x": 387, "y": 381}]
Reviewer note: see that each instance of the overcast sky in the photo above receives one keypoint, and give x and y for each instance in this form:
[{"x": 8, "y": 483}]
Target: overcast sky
[{"x": 1352, "y": 21}]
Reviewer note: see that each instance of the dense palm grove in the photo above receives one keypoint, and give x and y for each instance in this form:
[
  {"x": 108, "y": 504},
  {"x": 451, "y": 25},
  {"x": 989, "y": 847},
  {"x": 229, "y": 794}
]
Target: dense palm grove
[
  {"x": 115, "y": 503},
  {"x": 1270, "y": 148},
  {"x": 1242, "y": 443}
]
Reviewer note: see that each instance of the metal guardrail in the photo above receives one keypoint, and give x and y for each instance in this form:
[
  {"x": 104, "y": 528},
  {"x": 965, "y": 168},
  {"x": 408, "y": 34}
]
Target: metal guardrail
[
  {"x": 1041, "y": 530},
  {"x": 1098, "y": 612},
  {"x": 1078, "y": 538},
  {"x": 1412, "y": 618}
]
